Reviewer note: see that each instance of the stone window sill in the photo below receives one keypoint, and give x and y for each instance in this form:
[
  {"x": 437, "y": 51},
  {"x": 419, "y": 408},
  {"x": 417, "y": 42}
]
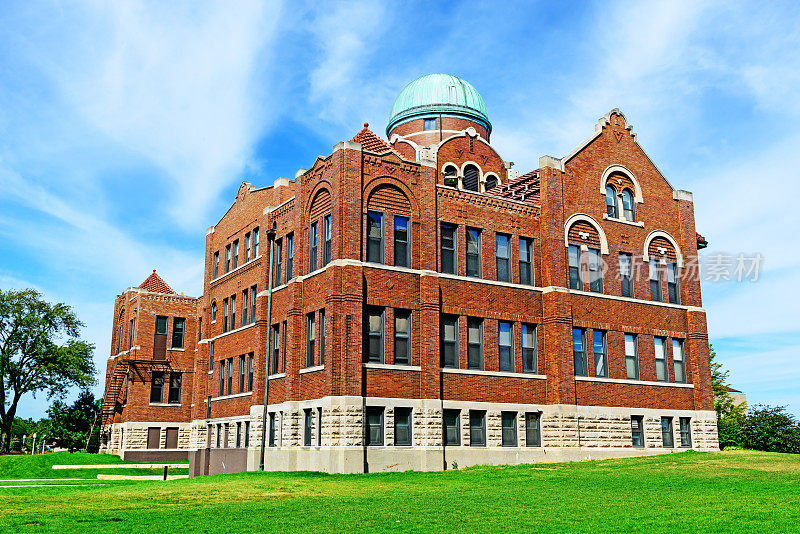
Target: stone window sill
[
  {"x": 623, "y": 221},
  {"x": 312, "y": 369},
  {"x": 391, "y": 367},
  {"x": 504, "y": 374},
  {"x": 634, "y": 382}
]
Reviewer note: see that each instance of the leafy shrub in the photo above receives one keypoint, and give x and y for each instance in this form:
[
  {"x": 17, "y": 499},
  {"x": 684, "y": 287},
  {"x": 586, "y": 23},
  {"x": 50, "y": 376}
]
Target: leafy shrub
[{"x": 768, "y": 428}]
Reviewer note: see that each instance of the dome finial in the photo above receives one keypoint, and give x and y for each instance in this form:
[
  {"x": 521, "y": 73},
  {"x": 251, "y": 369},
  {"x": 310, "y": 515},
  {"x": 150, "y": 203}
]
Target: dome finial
[{"x": 366, "y": 125}]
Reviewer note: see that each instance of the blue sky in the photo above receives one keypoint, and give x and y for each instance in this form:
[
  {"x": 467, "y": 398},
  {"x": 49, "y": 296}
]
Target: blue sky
[{"x": 126, "y": 128}]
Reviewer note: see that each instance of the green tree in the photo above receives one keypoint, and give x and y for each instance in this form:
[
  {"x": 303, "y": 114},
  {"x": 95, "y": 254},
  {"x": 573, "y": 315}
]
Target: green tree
[
  {"x": 730, "y": 416},
  {"x": 69, "y": 426},
  {"x": 39, "y": 351},
  {"x": 770, "y": 428}
]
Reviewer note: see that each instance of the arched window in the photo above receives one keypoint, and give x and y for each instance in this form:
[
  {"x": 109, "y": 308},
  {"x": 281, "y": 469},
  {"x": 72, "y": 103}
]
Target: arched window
[
  {"x": 213, "y": 311},
  {"x": 628, "y": 209},
  {"x": 471, "y": 178},
  {"x": 491, "y": 182},
  {"x": 450, "y": 177},
  {"x": 612, "y": 209}
]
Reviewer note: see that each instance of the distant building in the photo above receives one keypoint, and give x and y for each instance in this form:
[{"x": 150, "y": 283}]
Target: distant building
[
  {"x": 739, "y": 398},
  {"x": 430, "y": 306}
]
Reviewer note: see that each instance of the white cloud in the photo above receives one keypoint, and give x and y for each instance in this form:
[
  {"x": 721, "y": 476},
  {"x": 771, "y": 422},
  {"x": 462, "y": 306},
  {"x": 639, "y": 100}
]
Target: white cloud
[{"x": 173, "y": 82}]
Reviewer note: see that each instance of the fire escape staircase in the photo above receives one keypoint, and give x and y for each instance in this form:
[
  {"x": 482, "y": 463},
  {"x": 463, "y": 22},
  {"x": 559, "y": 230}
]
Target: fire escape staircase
[{"x": 114, "y": 383}]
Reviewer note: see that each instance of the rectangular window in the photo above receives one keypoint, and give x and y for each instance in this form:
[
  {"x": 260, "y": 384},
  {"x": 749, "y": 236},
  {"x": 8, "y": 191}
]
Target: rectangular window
[
  {"x": 655, "y": 280},
  {"x": 319, "y": 427},
  {"x": 157, "y": 386},
  {"x": 448, "y": 252},
  {"x": 509, "y": 424},
  {"x": 449, "y": 341},
  {"x": 686, "y": 431},
  {"x": 247, "y": 433},
  {"x": 245, "y": 308},
  {"x": 428, "y": 124},
  {"x": 401, "y": 248},
  {"x": 477, "y": 428},
  {"x": 253, "y": 292},
  {"x": 161, "y": 325},
  {"x": 322, "y": 337},
  {"x": 229, "y": 381},
  {"x": 284, "y": 330},
  {"x": 678, "y": 360},
  {"x": 503, "y": 257},
  {"x": 175, "y": 388},
  {"x": 178, "y": 328},
  {"x": 579, "y": 351},
  {"x": 219, "y": 436},
  {"x": 222, "y": 378},
  {"x": 250, "y": 359},
  {"x": 374, "y": 430},
  {"x": 199, "y": 328},
  {"x": 255, "y": 242},
  {"x": 672, "y": 283},
  {"x": 308, "y": 422},
  {"x": 224, "y": 315},
  {"x": 211, "y": 356},
  {"x": 247, "y": 247},
  {"x": 637, "y": 431},
  {"x": 474, "y": 343},
  {"x": 526, "y": 261},
  {"x": 533, "y": 431},
  {"x": 659, "y": 344},
  {"x": 131, "y": 333},
  {"x": 375, "y": 335},
  {"x": 242, "y": 371},
  {"x": 272, "y": 428},
  {"x": 227, "y": 258},
  {"x": 312, "y": 247},
  {"x": 505, "y": 342},
  {"x": 233, "y": 312},
  {"x": 216, "y": 264},
  {"x": 574, "y": 259},
  {"x": 326, "y": 240},
  {"x": 238, "y": 434},
  {"x": 289, "y": 256},
  {"x": 595, "y": 271},
  {"x": 632, "y": 356},
  {"x": 214, "y": 312},
  {"x": 235, "y": 254},
  {"x": 600, "y": 354},
  {"x": 473, "y": 252},
  {"x": 276, "y": 349},
  {"x": 278, "y": 263},
  {"x": 530, "y": 363},
  {"x": 667, "y": 439},
  {"x": 402, "y": 426},
  {"x": 375, "y": 237},
  {"x": 402, "y": 337},
  {"x": 626, "y": 274},
  {"x": 452, "y": 430},
  {"x": 311, "y": 336}
]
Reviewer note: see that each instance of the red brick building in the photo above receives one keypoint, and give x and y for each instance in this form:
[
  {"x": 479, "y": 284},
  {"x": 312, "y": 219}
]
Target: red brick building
[{"x": 430, "y": 306}]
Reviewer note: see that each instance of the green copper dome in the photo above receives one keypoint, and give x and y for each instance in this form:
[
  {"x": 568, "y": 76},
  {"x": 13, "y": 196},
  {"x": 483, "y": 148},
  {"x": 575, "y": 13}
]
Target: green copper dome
[{"x": 438, "y": 93}]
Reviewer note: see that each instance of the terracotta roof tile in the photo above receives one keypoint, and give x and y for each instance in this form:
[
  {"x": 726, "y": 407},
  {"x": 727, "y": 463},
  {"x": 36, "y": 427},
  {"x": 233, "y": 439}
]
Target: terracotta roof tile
[
  {"x": 156, "y": 284},
  {"x": 370, "y": 141},
  {"x": 524, "y": 188},
  {"x": 701, "y": 241}
]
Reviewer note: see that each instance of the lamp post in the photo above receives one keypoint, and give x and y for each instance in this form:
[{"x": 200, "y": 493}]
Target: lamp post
[
  {"x": 33, "y": 444},
  {"x": 268, "y": 360}
]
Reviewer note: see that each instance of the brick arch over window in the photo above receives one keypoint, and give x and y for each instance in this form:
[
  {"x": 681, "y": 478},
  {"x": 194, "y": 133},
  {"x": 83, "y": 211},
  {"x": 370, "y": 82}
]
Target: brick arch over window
[
  {"x": 614, "y": 172},
  {"x": 580, "y": 222},
  {"x": 660, "y": 238},
  {"x": 321, "y": 204},
  {"x": 389, "y": 194}
]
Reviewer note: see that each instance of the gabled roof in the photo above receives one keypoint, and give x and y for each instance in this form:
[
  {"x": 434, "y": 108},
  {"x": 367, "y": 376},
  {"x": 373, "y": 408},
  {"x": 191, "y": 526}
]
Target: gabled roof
[
  {"x": 156, "y": 284},
  {"x": 524, "y": 188},
  {"x": 370, "y": 141},
  {"x": 701, "y": 241}
]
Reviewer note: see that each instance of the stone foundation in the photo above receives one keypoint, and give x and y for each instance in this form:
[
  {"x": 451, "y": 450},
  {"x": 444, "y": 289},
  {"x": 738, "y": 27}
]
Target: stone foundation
[{"x": 568, "y": 433}]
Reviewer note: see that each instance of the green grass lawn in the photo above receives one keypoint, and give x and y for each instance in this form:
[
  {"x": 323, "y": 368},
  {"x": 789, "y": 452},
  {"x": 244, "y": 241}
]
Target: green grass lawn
[
  {"x": 737, "y": 491},
  {"x": 14, "y": 466}
]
